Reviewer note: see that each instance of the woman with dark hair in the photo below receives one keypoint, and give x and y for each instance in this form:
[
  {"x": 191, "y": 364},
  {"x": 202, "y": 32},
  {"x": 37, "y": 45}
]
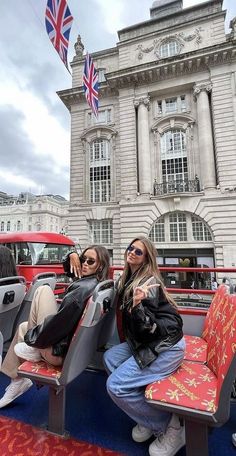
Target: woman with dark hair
[
  {"x": 153, "y": 348},
  {"x": 50, "y": 327},
  {"x": 7, "y": 263}
]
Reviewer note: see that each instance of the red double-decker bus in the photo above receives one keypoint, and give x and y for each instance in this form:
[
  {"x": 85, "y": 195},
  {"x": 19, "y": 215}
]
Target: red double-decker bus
[{"x": 37, "y": 252}]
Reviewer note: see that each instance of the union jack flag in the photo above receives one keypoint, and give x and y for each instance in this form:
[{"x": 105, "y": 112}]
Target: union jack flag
[
  {"x": 90, "y": 82},
  {"x": 58, "y": 21}
]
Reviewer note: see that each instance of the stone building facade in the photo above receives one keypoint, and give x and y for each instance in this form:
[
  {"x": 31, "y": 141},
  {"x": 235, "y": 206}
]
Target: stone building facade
[
  {"x": 28, "y": 212},
  {"x": 160, "y": 158}
]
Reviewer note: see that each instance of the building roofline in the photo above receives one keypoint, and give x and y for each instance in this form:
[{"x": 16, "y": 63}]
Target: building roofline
[{"x": 162, "y": 19}]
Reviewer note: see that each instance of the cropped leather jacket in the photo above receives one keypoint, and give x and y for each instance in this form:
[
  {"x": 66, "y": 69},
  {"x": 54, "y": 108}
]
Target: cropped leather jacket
[
  {"x": 151, "y": 327},
  {"x": 57, "y": 330}
]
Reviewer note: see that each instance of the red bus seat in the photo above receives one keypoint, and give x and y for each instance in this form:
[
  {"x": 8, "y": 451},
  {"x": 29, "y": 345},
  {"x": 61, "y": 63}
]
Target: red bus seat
[
  {"x": 200, "y": 393},
  {"x": 196, "y": 346}
]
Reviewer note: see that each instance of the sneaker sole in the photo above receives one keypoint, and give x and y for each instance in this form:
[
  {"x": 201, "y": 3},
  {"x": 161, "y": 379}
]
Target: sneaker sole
[
  {"x": 141, "y": 439},
  {"x": 175, "y": 450},
  {"x": 26, "y": 387}
]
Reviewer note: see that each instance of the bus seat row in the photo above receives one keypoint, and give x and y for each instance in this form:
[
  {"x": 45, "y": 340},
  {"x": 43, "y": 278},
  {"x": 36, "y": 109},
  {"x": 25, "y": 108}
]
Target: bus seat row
[
  {"x": 15, "y": 301},
  {"x": 93, "y": 331},
  {"x": 196, "y": 346},
  {"x": 198, "y": 392},
  {"x": 12, "y": 293}
]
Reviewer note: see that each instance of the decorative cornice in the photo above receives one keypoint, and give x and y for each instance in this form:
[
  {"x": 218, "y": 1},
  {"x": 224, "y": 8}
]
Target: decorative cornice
[
  {"x": 172, "y": 67},
  {"x": 155, "y": 71},
  {"x": 75, "y": 95}
]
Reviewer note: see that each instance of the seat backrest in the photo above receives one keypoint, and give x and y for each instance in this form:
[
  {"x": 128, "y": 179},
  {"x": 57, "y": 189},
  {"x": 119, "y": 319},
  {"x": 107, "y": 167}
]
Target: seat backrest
[
  {"x": 214, "y": 312},
  {"x": 12, "y": 292},
  {"x": 107, "y": 296},
  {"x": 44, "y": 278},
  {"x": 85, "y": 340},
  {"x": 221, "y": 351}
]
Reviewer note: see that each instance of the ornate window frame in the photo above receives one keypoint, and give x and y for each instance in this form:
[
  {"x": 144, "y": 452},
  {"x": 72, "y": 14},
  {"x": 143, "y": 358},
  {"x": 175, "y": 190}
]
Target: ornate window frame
[
  {"x": 176, "y": 121},
  {"x": 89, "y": 136},
  {"x": 191, "y": 218},
  {"x": 167, "y": 41}
]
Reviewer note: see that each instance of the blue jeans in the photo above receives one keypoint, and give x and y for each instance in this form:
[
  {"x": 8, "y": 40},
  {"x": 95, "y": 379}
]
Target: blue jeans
[{"x": 126, "y": 383}]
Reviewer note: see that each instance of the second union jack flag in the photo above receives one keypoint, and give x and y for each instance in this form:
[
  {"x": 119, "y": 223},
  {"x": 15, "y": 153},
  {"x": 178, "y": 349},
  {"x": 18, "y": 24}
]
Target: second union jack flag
[
  {"x": 58, "y": 20},
  {"x": 90, "y": 82}
]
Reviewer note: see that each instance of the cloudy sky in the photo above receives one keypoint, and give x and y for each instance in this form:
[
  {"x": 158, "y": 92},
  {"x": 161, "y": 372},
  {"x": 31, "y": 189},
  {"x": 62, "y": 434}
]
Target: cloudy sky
[{"x": 34, "y": 124}]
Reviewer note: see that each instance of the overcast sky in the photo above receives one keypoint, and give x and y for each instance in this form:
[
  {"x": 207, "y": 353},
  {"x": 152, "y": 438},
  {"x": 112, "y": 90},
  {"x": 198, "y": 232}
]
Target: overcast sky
[{"x": 34, "y": 123}]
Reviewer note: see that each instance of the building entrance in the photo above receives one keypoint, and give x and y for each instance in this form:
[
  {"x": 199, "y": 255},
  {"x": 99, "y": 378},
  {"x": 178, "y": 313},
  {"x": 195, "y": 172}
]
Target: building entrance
[{"x": 201, "y": 258}]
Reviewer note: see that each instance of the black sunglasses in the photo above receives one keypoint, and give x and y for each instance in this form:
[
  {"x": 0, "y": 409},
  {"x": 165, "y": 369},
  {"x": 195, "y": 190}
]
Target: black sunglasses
[
  {"x": 89, "y": 261},
  {"x": 137, "y": 252}
]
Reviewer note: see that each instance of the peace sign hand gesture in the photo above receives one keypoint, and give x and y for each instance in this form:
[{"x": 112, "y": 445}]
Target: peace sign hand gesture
[{"x": 141, "y": 292}]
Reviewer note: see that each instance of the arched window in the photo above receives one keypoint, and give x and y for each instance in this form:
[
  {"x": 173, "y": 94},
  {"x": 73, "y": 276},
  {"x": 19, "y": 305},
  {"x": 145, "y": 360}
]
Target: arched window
[
  {"x": 174, "y": 160},
  {"x": 100, "y": 171},
  {"x": 157, "y": 233},
  {"x": 200, "y": 230},
  {"x": 180, "y": 227},
  {"x": 169, "y": 48}
]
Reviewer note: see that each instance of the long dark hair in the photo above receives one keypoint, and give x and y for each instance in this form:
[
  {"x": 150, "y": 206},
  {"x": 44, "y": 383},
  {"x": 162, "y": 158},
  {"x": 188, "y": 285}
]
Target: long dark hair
[
  {"x": 7, "y": 263},
  {"x": 103, "y": 261},
  {"x": 148, "y": 269}
]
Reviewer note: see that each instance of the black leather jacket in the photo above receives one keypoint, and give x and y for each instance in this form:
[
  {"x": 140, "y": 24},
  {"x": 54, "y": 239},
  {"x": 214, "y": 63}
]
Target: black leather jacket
[
  {"x": 57, "y": 330},
  {"x": 151, "y": 327}
]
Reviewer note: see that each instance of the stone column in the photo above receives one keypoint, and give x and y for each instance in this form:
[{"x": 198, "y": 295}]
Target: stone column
[
  {"x": 144, "y": 160},
  {"x": 206, "y": 150}
]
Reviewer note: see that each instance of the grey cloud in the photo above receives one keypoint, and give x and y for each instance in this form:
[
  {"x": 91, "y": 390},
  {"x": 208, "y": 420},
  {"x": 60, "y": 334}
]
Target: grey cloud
[{"x": 20, "y": 158}]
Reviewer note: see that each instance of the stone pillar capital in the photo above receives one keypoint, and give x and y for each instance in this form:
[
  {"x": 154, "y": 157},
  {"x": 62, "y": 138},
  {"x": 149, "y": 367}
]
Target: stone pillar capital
[
  {"x": 145, "y": 101},
  {"x": 202, "y": 87}
]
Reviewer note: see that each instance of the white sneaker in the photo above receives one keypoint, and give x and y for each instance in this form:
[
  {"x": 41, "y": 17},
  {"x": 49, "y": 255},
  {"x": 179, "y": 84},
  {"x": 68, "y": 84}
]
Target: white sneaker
[
  {"x": 1, "y": 348},
  {"x": 169, "y": 444},
  {"x": 141, "y": 433},
  {"x": 24, "y": 351},
  {"x": 234, "y": 439},
  {"x": 15, "y": 389}
]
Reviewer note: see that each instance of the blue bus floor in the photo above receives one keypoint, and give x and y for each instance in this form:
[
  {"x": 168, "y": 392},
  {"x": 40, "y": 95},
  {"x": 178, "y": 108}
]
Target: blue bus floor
[{"x": 91, "y": 416}]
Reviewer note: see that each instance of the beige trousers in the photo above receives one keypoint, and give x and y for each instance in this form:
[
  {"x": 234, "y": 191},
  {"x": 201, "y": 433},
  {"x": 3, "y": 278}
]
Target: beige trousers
[{"x": 43, "y": 304}]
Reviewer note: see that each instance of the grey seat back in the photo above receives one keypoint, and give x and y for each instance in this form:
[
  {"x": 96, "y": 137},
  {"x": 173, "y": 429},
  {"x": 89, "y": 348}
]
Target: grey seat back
[
  {"x": 85, "y": 340},
  {"x": 108, "y": 297},
  {"x": 12, "y": 292},
  {"x": 45, "y": 278}
]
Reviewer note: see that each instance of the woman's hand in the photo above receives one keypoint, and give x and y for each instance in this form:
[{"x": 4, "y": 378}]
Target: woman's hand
[
  {"x": 75, "y": 265},
  {"x": 142, "y": 292}
]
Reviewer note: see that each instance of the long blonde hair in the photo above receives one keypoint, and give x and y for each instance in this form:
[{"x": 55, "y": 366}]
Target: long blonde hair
[{"x": 148, "y": 269}]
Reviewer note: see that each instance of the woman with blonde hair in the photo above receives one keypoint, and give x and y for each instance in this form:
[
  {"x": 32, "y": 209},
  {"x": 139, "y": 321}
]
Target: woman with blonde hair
[{"x": 153, "y": 348}]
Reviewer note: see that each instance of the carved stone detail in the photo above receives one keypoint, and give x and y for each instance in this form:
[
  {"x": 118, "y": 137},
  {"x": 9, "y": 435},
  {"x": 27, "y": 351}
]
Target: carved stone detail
[
  {"x": 179, "y": 37},
  {"x": 194, "y": 36},
  {"x": 79, "y": 47},
  {"x": 233, "y": 27},
  {"x": 206, "y": 86},
  {"x": 142, "y": 100}
]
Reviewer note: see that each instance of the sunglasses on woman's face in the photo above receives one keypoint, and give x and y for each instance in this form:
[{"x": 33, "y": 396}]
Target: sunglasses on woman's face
[
  {"x": 89, "y": 261},
  {"x": 137, "y": 252}
]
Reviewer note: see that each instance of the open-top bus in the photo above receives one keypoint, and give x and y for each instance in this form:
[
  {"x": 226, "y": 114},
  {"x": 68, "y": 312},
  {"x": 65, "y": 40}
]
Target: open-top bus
[{"x": 96, "y": 425}]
